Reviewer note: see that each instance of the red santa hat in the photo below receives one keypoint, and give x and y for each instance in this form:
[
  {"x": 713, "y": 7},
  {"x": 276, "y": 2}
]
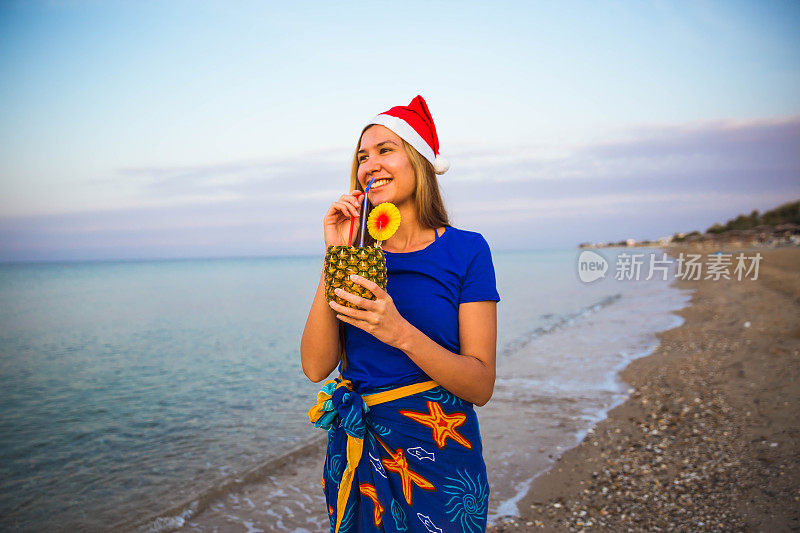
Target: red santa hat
[{"x": 414, "y": 124}]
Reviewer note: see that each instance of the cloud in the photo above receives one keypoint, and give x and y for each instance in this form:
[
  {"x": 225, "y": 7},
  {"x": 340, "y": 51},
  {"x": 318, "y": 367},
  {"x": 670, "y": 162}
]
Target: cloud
[
  {"x": 297, "y": 178},
  {"x": 650, "y": 152},
  {"x": 646, "y": 182},
  {"x": 617, "y": 204}
]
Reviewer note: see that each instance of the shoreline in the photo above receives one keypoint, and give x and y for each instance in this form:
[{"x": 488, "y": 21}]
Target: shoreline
[{"x": 709, "y": 439}]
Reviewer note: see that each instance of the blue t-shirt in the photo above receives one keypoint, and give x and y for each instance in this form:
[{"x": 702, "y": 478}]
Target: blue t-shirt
[{"x": 427, "y": 287}]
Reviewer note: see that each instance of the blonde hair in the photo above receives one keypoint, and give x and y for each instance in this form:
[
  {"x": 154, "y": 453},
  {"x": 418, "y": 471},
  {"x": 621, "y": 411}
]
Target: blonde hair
[{"x": 431, "y": 212}]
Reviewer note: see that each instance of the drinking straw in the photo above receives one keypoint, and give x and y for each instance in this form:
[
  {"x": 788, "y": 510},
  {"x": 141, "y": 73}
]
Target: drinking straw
[
  {"x": 350, "y": 236},
  {"x": 352, "y": 222},
  {"x": 364, "y": 211}
]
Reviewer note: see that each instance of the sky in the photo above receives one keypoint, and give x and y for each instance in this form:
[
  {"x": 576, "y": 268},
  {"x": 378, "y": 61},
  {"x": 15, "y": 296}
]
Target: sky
[{"x": 132, "y": 130}]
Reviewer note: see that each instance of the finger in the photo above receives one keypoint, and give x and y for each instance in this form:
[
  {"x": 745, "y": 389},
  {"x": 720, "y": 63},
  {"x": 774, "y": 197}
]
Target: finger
[
  {"x": 352, "y": 211},
  {"x": 353, "y": 314},
  {"x": 352, "y": 202},
  {"x": 346, "y": 209},
  {"x": 345, "y": 318},
  {"x": 353, "y": 199},
  {"x": 337, "y": 206},
  {"x": 357, "y": 300},
  {"x": 373, "y": 287}
]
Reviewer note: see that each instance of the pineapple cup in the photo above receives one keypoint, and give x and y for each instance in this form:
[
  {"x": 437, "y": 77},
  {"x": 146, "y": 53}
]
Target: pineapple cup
[
  {"x": 342, "y": 261},
  {"x": 366, "y": 261}
]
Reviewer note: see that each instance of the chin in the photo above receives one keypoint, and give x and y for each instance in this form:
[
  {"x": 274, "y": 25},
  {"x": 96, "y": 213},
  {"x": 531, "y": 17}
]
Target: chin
[
  {"x": 380, "y": 198},
  {"x": 385, "y": 196}
]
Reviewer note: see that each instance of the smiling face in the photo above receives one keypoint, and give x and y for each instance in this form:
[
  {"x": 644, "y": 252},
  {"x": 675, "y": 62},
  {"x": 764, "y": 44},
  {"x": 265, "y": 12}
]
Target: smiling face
[{"x": 381, "y": 154}]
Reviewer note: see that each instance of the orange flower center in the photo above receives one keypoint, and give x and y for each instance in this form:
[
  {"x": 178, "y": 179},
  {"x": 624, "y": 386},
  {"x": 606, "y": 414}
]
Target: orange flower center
[{"x": 382, "y": 221}]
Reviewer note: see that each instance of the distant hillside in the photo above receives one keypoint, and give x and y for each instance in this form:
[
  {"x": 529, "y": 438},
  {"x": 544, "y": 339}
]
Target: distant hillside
[
  {"x": 776, "y": 227},
  {"x": 788, "y": 213}
]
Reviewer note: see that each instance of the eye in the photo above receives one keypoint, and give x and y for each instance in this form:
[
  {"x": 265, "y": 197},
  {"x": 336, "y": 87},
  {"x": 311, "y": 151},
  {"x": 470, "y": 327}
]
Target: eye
[
  {"x": 387, "y": 149},
  {"x": 362, "y": 158}
]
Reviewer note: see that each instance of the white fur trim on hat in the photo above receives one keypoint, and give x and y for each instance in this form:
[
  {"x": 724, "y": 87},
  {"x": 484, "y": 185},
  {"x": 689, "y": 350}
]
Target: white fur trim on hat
[
  {"x": 440, "y": 165},
  {"x": 407, "y": 133}
]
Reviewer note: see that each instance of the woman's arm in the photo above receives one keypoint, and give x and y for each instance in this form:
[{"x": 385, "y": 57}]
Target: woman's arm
[
  {"x": 469, "y": 375},
  {"x": 319, "y": 347}
]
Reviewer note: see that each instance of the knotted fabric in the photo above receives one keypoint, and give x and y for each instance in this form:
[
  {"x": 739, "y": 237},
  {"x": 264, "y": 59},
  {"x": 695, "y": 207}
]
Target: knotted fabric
[{"x": 338, "y": 403}]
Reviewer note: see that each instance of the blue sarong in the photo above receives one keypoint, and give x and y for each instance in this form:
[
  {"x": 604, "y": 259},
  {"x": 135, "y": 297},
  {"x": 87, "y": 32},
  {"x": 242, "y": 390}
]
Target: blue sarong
[{"x": 401, "y": 459}]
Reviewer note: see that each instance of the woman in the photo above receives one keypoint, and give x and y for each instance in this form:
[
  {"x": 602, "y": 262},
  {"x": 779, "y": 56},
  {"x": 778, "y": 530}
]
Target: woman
[{"x": 404, "y": 447}]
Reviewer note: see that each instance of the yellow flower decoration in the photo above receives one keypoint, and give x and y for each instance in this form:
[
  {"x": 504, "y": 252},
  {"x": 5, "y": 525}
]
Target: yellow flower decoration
[{"x": 383, "y": 221}]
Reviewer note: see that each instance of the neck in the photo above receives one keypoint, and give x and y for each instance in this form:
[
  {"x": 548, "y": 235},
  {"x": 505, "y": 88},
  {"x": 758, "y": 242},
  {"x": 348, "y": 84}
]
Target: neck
[{"x": 410, "y": 234}]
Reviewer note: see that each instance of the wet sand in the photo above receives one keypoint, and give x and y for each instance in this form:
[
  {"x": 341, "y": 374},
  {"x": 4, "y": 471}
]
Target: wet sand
[{"x": 710, "y": 438}]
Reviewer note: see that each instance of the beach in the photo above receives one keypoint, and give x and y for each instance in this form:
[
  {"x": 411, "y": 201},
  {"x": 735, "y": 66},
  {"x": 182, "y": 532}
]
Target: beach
[{"x": 709, "y": 438}]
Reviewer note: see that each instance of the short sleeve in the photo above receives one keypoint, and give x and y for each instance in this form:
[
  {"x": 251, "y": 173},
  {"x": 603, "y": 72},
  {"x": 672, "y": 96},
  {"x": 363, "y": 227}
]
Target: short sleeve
[{"x": 479, "y": 280}]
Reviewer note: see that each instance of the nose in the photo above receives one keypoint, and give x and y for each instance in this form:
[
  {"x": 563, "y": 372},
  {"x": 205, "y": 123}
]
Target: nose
[{"x": 372, "y": 165}]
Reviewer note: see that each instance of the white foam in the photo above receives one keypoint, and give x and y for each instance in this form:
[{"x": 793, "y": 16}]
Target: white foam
[
  {"x": 170, "y": 523},
  {"x": 508, "y": 508}
]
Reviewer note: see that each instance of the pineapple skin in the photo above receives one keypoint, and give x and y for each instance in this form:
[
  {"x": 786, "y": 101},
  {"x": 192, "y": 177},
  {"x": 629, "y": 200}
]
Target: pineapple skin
[{"x": 341, "y": 261}]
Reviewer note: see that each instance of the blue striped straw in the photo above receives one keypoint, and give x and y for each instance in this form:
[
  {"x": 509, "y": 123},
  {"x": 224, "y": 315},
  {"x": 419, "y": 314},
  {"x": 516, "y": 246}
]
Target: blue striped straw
[{"x": 364, "y": 211}]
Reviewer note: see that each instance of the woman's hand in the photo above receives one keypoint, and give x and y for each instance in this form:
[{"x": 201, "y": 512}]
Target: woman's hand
[
  {"x": 379, "y": 317},
  {"x": 337, "y": 219}
]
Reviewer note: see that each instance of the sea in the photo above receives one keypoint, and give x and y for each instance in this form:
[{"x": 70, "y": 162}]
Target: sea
[{"x": 130, "y": 387}]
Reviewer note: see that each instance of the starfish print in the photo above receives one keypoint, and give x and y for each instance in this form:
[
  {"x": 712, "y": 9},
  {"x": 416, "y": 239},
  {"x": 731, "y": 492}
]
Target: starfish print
[
  {"x": 443, "y": 426},
  {"x": 370, "y": 492},
  {"x": 399, "y": 464}
]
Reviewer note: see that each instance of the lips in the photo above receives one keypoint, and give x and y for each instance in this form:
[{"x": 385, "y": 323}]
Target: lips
[{"x": 377, "y": 184}]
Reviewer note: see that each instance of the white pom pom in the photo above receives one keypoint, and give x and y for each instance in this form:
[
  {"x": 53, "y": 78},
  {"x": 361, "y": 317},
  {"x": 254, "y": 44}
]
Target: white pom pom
[{"x": 440, "y": 165}]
